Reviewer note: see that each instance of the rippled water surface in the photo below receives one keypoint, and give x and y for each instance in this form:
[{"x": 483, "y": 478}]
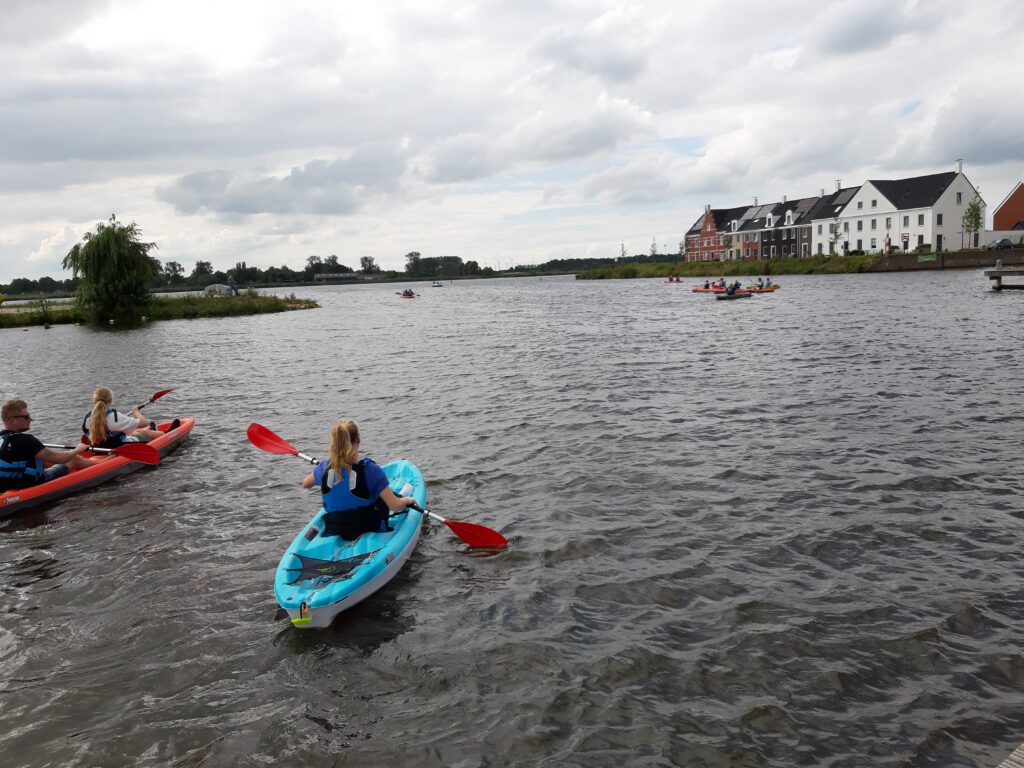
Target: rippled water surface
[{"x": 772, "y": 532}]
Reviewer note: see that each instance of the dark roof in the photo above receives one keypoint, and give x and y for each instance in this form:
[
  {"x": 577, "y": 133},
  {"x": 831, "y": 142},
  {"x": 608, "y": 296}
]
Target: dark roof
[
  {"x": 918, "y": 192},
  {"x": 828, "y": 207}
]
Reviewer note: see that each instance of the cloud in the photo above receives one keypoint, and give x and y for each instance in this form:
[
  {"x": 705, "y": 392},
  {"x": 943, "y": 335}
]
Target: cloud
[
  {"x": 338, "y": 187},
  {"x": 606, "y": 47}
]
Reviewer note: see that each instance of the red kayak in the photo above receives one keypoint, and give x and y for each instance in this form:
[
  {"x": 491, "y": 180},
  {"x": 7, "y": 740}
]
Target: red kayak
[
  {"x": 406, "y": 295},
  {"x": 673, "y": 282},
  {"x": 109, "y": 466}
]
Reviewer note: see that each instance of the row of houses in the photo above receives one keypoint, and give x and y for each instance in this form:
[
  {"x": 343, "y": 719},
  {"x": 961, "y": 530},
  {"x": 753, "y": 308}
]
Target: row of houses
[{"x": 923, "y": 212}]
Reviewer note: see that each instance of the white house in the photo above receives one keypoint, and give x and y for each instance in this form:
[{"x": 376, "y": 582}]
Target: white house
[{"x": 908, "y": 213}]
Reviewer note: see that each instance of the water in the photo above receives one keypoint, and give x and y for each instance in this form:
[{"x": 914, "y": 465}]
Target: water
[{"x": 772, "y": 532}]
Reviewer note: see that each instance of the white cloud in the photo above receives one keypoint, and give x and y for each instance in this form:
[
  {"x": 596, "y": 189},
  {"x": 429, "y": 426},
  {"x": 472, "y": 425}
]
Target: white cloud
[{"x": 498, "y": 130}]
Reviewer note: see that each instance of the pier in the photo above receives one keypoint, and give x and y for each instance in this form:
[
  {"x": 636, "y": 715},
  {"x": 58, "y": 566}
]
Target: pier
[
  {"x": 999, "y": 272},
  {"x": 1016, "y": 760}
]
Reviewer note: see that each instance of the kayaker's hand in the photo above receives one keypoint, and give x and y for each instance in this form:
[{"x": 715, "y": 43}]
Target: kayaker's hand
[{"x": 80, "y": 448}]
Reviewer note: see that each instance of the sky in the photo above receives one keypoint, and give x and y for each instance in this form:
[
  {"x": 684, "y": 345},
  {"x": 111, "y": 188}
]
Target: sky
[{"x": 506, "y": 132}]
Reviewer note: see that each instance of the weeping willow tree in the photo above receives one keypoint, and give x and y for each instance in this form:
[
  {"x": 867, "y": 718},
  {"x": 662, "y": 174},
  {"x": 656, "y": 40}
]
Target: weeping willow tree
[{"x": 116, "y": 270}]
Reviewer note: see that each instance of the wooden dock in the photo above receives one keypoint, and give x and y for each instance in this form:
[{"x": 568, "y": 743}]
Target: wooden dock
[
  {"x": 999, "y": 272},
  {"x": 1016, "y": 760}
]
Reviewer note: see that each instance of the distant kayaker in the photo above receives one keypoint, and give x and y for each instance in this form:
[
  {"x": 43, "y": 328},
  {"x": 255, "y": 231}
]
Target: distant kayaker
[
  {"x": 707, "y": 284},
  {"x": 768, "y": 282},
  {"x": 22, "y": 456},
  {"x": 106, "y": 427},
  {"x": 760, "y": 283},
  {"x": 356, "y": 493}
]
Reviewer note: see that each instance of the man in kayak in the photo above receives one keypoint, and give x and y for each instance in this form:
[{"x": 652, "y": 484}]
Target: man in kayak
[
  {"x": 22, "y": 456},
  {"x": 356, "y": 493}
]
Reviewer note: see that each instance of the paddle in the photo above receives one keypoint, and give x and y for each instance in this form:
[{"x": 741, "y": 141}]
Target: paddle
[
  {"x": 478, "y": 536},
  {"x": 271, "y": 442},
  {"x": 156, "y": 396},
  {"x": 471, "y": 533},
  {"x": 145, "y": 454}
]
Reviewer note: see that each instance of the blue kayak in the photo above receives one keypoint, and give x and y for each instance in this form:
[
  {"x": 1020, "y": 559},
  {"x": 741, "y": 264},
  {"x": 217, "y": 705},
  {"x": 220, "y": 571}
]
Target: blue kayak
[{"x": 321, "y": 576}]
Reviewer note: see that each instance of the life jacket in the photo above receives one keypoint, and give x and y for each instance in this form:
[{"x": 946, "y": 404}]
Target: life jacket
[
  {"x": 30, "y": 469},
  {"x": 114, "y": 439},
  {"x": 349, "y": 512}
]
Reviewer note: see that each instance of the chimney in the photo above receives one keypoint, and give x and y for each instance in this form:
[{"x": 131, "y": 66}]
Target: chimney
[
  {"x": 839, "y": 184},
  {"x": 783, "y": 199},
  {"x": 707, "y": 208},
  {"x": 960, "y": 166},
  {"x": 755, "y": 199},
  {"x": 822, "y": 192}
]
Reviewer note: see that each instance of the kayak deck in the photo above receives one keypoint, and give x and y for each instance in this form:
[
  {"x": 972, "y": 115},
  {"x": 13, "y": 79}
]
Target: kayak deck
[{"x": 106, "y": 468}]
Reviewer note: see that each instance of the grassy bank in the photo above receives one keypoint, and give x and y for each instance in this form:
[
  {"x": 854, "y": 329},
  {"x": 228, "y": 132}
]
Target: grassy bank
[
  {"x": 43, "y": 312},
  {"x": 809, "y": 266}
]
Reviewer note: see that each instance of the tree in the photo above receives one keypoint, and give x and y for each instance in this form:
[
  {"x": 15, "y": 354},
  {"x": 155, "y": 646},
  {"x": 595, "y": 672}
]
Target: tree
[
  {"x": 174, "y": 272},
  {"x": 972, "y": 219},
  {"x": 116, "y": 270},
  {"x": 202, "y": 269},
  {"x": 412, "y": 259},
  {"x": 654, "y": 247},
  {"x": 368, "y": 265}
]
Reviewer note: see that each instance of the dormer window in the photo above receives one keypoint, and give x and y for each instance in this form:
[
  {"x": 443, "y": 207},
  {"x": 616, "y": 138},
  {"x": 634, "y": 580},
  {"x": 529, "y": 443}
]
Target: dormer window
[
  {"x": 789, "y": 217},
  {"x": 735, "y": 225},
  {"x": 768, "y": 221}
]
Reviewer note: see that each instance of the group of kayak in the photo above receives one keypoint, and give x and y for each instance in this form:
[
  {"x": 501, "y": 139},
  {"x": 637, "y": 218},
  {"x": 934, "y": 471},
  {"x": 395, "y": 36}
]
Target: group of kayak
[
  {"x": 112, "y": 444},
  {"x": 366, "y": 528}
]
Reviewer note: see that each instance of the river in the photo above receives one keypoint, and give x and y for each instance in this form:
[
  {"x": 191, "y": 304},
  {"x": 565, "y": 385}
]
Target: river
[{"x": 772, "y": 532}]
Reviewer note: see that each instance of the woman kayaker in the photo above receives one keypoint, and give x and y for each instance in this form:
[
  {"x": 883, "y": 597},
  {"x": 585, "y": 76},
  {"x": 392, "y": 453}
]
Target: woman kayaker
[
  {"x": 356, "y": 493},
  {"x": 107, "y": 428}
]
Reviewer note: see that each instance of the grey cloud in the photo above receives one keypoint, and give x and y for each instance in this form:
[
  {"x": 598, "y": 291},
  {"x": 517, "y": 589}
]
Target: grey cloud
[
  {"x": 29, "y": 21},
  {"x": 336, "y": 187}
]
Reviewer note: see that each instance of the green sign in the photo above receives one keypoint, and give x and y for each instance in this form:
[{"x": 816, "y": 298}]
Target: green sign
[{"x": 925, "y": 257}]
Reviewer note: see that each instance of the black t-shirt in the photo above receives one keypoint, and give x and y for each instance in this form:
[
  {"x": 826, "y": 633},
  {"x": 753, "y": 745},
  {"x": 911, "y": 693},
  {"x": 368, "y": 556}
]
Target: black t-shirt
[{"x": 18, "y": 465}]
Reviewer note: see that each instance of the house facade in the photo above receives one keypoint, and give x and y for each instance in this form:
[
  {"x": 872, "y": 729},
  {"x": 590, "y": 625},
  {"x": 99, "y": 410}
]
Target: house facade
[
  {"x": 878, "y": 216},
  {"x": 1009, "y": 215}
]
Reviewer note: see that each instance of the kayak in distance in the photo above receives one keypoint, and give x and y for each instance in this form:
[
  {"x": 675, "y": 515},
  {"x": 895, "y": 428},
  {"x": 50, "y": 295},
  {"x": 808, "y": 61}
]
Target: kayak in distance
[
  {"x": 320, "y": 576},
  {"x": 677, "y": 281},
  {"x": 118, "y": 461},
  {"x": 406, "y": 294},
  {"x": 736, "y": 295}
]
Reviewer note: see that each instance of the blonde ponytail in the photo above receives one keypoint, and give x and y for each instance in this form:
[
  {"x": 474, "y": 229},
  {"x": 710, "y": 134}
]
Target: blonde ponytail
[
  {"x": 102, "y": 399},
  {"x": 344, "y": 451}
]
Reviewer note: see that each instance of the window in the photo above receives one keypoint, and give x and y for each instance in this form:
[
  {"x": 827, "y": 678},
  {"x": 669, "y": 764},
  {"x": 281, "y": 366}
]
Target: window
[
  {"x": 773, "y": 251},
  {"x": 820, "y": 250},
  {"x": 785, "y": 250},
  {"x": 874, "y": 223},
  {"x": 920, "y": 219},
  {"x": 768, "y": 221},
  {"x": 873, "y": 243},
  {"x": 819, "y": 229},
  {"x": 959, "y": 198},
  {"x": 860, "y": 225},
  {"x": 874, "y": 203},
  {"x": 938, "y": 219},
  {"x": 860, "y": 205},
  {"x": 860, "y": 245},
  {"x": 906, "y": 221},
  {"x": 846, "y": 226},
  {"x": 888, "y": 223}
]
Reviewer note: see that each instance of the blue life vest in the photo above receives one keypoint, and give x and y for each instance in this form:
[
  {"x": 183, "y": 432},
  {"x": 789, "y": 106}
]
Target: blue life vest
[
  {"x": 114, "y": 439},
  {"x": 29, "y": 469},
  {"x": 351, "y": 513}
]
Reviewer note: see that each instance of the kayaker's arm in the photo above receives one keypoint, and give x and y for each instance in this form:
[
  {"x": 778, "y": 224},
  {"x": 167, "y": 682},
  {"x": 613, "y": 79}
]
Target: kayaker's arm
[
  {"x": 71, "y": 458},
  {"x": 395, "y": 502},
  {"x": 307, "y": 481}
]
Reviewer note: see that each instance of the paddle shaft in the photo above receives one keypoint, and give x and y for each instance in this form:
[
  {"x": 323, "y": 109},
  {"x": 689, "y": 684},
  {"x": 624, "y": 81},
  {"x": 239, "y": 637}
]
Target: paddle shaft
[
  {"x": 92, "y": 448},
  {"x": 156, "y": 396}
]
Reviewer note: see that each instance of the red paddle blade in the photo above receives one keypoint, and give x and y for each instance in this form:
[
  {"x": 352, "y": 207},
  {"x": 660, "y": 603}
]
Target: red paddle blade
[
  {"x": 159, "y": 394},
  {"x": 266, "y": 440},
  {"x": 140, "y": 452},
  {"x": 477, "y": 535}
]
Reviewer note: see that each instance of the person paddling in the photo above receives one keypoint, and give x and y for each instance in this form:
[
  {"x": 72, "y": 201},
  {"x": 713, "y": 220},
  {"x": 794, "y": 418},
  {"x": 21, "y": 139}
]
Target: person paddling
[
  {"x": 107, "y": 428},
  {"x": 23, "y": 457},
  {"x": 356, "y": 493}
]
